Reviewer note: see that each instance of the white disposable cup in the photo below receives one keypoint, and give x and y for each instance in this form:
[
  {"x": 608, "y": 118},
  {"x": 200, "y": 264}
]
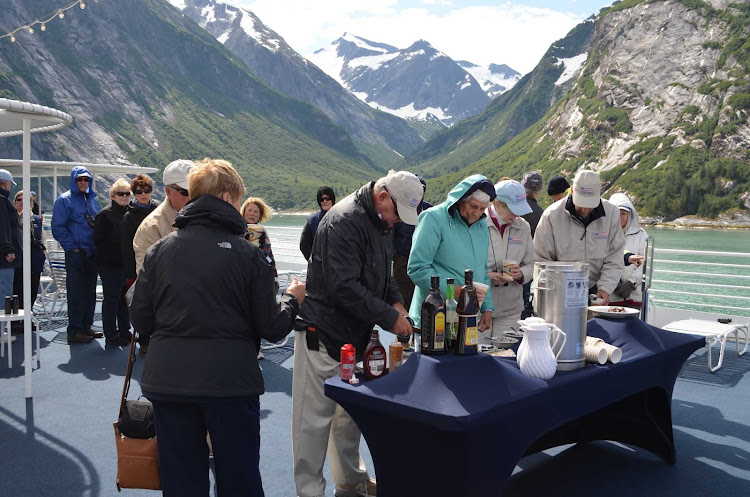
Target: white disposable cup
[
  {"x": 595, "y": 355},
  {"x": 483, "y": 287},
  {"x": 593, "y": 341},
  {"x": 614, "y": 354}
]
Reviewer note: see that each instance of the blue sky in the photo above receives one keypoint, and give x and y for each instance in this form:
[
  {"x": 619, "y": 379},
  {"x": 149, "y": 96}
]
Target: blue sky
[{"x": 480, "y": 31}]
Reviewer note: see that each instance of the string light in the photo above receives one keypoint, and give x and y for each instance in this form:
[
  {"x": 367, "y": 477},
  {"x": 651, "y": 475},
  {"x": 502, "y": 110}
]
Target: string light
[{"x": 60, "y": 13}]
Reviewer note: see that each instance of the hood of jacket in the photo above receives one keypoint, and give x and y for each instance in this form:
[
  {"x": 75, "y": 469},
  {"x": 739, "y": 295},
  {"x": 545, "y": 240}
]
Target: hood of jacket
[
  {"x": 623, "y": 202},
  {"x": 74, "y": 173},
  {"x": 209, "y": 210},
  {"x": 465, "y": 188}
]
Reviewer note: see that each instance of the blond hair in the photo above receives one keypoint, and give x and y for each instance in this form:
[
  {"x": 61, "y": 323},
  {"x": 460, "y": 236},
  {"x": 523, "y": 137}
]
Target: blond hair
[
  {"x": 121, "y": 183},
  {"x": 215, "y": 177},
  {"x": 265, "y": 210}
]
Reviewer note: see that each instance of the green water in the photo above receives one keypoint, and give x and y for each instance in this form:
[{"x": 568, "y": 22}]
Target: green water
[{"x": 288, "y": 221}]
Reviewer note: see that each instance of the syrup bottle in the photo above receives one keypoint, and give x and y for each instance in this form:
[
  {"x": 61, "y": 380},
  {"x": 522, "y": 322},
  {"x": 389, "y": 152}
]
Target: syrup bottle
[
  {"x": 433, "y": 320},
  {"x": 373, "y": 360},
  {"x": 467, "y": 310}
]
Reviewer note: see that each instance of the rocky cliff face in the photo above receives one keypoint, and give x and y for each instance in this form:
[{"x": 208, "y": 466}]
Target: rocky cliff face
[
  {"x": 659, "y": 107},
  {"x": 384, "y": 137}
]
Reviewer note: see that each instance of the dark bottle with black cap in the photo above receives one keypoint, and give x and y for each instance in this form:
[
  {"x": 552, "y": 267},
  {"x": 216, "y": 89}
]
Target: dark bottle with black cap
[
  {"x": 467, "y": 310},
  {"x": 433, "y": 320}
]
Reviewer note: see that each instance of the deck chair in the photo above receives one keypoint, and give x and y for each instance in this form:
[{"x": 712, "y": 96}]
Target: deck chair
[
  {"x": 56, "y": 260},
  {"x": 714, "y": 333}
]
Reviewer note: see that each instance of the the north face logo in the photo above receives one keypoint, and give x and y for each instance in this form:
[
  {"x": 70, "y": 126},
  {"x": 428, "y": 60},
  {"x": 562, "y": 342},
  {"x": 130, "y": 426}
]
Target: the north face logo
[{"x": 225, "y": 245}]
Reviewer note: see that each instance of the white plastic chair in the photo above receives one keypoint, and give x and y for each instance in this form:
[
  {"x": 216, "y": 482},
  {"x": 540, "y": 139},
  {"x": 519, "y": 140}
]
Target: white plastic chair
[{"x": 714, "y": 333}]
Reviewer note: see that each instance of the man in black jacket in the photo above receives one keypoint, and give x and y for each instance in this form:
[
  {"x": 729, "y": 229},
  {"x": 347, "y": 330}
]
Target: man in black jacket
[
  {"x": 350, "y": 290},
  {"x": 10, "y": 235},
  {"x": 204, "y": 295}
]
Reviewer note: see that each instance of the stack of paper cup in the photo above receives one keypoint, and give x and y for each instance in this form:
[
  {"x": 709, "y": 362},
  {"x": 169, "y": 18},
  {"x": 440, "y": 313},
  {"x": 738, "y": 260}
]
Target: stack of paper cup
[
  {"x": 595, "y": 355},
  {"x": 614, "y": 354}
]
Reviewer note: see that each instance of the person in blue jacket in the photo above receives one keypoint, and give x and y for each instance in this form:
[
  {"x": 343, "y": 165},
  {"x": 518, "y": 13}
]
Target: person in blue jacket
[
  {"x": 73, "y": 227},
  {"x": 326, "y": 198},
  {"x": 449, "y": 239}
]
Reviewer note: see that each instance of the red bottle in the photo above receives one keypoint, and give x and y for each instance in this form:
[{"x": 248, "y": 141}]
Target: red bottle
[
  {"x": 373, "y": 360},
  {"x": 348, "y": 359}
]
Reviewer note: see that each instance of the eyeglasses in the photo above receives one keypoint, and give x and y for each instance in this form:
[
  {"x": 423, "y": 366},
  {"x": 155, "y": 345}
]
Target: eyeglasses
[
  {"x": 181, "y": 191},
  {"x": 19, "y": 199},
  {"x": 83, "y": 179},
  {"x": 395, "y": 207},
  {"x": 147, "y": 189},
  {"x": 326, "y": 199},
  {"x": 122, "y": 194}
]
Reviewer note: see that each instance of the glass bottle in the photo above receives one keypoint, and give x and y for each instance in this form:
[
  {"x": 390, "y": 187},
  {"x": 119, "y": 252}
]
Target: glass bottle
[
  {"x": 467, "y": 310},
  {"x": 451, "y": 318},
  {"x": 373, "y": 361},
  {"x": 433, "y": 320}
]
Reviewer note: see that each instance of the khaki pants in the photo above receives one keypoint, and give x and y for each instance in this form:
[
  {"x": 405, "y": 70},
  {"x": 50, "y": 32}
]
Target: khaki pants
[
  {"x": 500, "y": 324},
  {"x": 320, "y": 425}
]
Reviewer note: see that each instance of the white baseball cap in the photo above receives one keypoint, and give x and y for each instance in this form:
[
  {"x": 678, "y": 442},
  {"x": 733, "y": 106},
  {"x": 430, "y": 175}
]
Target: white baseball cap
[
  {"x": 407, "y": 191},
  {"x": 513, "y": 194},
  {"x": 176, "y": 173},
  {"x": 6, "y": 176},
  {"x": 587, "y": 189}
]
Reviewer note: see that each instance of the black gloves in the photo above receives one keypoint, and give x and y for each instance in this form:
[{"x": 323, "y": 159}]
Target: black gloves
[{"x": 624, "y": 289}]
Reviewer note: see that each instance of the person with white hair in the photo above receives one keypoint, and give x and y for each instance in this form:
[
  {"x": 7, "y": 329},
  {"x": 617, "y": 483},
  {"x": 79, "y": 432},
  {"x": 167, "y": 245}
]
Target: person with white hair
[{"x": 450, "y": 239}]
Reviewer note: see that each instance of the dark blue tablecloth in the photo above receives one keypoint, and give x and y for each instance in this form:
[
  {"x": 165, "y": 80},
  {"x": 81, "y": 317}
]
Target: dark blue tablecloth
[{"x": 481, "y": 414}]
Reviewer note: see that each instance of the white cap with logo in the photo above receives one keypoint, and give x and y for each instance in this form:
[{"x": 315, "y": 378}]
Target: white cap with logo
[
  {"x": 176, "y": 173},
  {"x": 587, "y": 189},
  {"x": 407, "y": 191}
]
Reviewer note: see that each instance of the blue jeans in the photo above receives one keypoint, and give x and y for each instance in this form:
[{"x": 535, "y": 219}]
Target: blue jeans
[
  {"x": 80, "y": 271},
  {"x": 6, "y": 282},
  {"x": 234, "y": 426},
  {"x": 115, "y": 316}
]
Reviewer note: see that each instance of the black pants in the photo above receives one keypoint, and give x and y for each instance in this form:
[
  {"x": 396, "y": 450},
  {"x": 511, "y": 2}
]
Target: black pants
[
  {"x": 234, "y": 426},
  {"x": 403, "y": 282},
  {"x": 18, "y": 286},
  {"x": 115, "y": 316}
]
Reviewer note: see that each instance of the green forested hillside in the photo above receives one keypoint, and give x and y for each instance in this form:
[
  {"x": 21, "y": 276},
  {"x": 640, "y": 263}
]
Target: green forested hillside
[{"x": 146, "y": 84}]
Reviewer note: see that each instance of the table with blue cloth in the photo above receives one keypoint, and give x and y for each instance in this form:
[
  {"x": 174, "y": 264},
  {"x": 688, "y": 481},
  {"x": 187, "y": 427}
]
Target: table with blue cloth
[{"x": 462, "y": 423}]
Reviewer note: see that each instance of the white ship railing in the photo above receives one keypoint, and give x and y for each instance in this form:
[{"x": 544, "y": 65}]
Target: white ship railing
[{"x": 726, "y": 289}]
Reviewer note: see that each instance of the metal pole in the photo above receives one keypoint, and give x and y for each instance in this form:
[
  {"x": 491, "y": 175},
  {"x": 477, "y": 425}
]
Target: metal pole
[{"x": 27, "y": 339}]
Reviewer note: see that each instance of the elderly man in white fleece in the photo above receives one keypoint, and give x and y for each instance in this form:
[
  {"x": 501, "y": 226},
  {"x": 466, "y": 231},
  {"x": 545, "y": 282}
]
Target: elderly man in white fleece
[{"x": 583, "y": 227}]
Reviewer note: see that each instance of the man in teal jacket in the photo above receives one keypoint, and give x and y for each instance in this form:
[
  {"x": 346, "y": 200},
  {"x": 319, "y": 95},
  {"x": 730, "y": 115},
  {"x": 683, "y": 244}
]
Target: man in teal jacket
[{"x": 450, "y": 238}]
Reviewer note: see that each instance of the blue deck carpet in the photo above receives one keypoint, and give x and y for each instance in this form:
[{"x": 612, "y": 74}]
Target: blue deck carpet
[{"x": 61, "y": 442}]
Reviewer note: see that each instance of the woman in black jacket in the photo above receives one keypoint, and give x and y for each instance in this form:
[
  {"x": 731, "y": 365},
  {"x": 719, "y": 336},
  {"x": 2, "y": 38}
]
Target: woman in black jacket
[
  {"x": 205, "y": 296},
  {"x": 141, "y": 206},
  {"x": 115, "y": 316},
  {"x": 326, "y": 198}
]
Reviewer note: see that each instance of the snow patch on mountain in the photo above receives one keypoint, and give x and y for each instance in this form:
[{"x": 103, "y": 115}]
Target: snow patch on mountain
[
  {"x": 572, "y": 65},
  {"x": 373, "y": 61},
  {"x": 262, "y": 36},
  {"x": 409, "y": 111},
  {"x": 494, "y": 79}
]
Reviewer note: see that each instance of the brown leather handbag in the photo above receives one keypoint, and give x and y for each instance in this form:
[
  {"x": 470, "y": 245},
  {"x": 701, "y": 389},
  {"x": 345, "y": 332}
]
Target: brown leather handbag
[{"x": 137, "y": 458}]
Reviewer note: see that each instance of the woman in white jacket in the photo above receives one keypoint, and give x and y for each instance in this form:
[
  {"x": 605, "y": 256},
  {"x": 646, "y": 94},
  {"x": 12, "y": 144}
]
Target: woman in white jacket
[
  {"x": 510, "y": 240},
  {"x": 628, "y": 290}
]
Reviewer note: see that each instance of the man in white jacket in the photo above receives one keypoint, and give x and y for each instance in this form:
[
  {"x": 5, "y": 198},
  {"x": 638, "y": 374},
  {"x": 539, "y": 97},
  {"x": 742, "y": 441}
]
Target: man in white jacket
[
  {"x": 628, "y": 290},
  {"x": 583, "y": 227}
]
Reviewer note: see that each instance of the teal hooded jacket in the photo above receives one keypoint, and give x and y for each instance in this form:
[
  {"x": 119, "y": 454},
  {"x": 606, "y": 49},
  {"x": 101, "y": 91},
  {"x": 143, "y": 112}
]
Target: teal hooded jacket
[{"x": 444, "y": 245}]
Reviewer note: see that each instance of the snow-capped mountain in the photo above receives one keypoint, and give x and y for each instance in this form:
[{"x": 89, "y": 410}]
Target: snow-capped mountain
[
  {"x": 415, "y": 82},
  {"x": 381, "y": 136},
  {"x": 494, "y": 78}
]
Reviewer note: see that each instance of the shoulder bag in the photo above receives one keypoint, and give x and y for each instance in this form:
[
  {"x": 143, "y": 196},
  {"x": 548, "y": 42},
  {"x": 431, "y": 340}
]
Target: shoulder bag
[{"x": 135, "y": 437}]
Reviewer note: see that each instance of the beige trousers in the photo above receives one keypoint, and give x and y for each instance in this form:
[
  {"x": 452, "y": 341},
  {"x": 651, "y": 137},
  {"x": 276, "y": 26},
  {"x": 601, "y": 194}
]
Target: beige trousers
[
  {"x": 320, "y": 425},
  {"x": 500, "y": 324}
]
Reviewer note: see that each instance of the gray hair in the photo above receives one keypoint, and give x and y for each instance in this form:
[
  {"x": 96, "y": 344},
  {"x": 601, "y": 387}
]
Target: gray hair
[
  {"x": 120, "y": 183},
  {"x": 479, "y": 196}
]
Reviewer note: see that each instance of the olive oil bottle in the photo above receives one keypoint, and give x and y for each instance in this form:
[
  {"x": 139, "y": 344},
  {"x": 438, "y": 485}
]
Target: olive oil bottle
[
  {"x": 467, "y": 310},
  {"x": 433, "y": 320}
]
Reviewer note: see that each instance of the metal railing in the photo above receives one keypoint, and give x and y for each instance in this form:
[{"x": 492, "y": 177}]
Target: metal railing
[{"x": 693, "y": 280}]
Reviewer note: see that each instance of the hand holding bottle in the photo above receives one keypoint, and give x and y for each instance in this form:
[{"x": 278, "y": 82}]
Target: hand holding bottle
[
  {"x": 402, "y": 327},
  {"x": 297, "y": 290}
]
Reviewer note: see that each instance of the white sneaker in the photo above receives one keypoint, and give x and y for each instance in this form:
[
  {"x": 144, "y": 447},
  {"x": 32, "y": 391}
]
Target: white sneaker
[
  {"x": 8, "y": 339},
  {"x": 366, "y": 488}
]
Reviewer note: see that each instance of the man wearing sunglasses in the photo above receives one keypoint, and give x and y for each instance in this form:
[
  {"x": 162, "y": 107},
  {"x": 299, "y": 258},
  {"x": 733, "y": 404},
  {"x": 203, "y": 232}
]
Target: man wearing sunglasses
[
  {"x": 73, "y": 227},
  {"x": 159, "y": 223}
]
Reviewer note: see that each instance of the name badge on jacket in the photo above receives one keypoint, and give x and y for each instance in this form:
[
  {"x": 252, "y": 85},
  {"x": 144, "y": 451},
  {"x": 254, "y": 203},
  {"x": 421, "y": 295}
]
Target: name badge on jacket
[
  {"x": 601, "y": 236},
  {"x": 515, "y": 240}
]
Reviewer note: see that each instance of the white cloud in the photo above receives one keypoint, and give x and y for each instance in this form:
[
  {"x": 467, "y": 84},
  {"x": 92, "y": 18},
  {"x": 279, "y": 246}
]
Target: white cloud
[{"x": 511, "y": 34}]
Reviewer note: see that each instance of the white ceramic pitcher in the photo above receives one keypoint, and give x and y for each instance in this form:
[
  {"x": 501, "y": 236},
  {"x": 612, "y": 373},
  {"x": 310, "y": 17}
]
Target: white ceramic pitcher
[{"x": 535, "y": 355}]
